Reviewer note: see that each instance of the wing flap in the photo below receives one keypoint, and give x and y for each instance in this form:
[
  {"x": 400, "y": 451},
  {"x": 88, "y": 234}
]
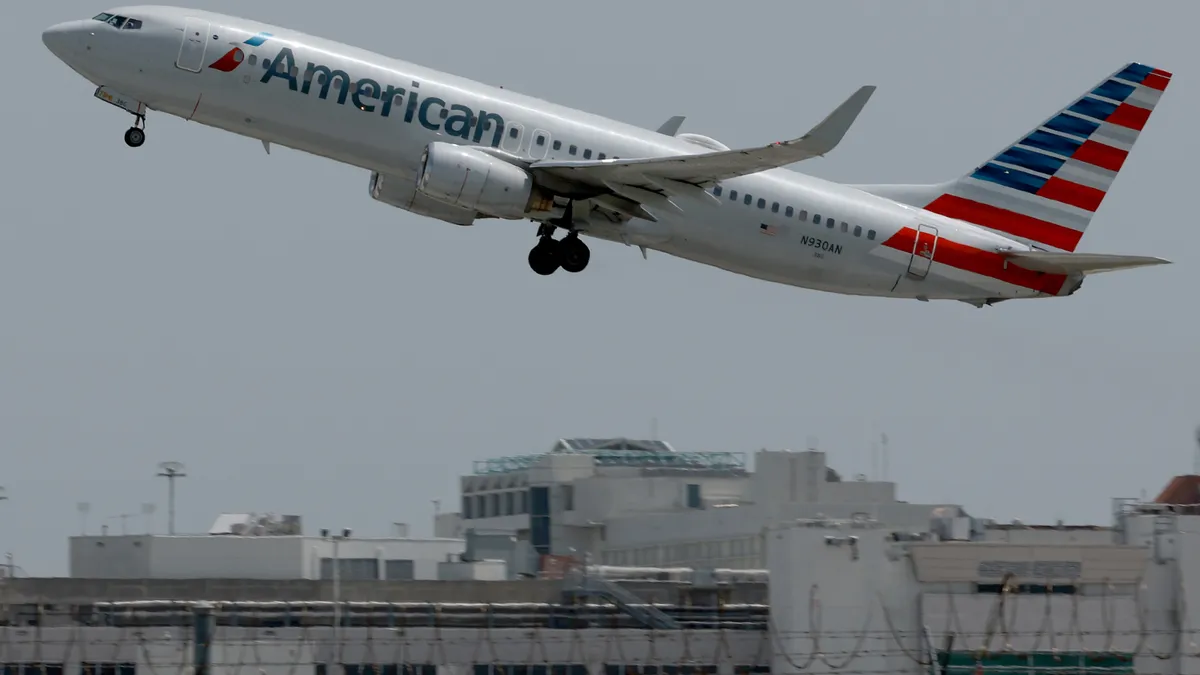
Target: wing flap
[
  {"x": 1079, "y": 263},
  {"x": 708, "y": 168}
]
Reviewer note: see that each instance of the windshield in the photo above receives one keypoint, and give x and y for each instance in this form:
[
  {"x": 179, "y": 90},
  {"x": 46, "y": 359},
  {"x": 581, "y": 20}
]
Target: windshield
[{"x": 117, "y": 21}]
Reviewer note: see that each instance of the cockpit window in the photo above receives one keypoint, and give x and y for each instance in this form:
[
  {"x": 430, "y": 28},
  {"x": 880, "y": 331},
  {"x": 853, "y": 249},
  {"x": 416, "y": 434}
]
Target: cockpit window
[{"x": 118, "y": 21}]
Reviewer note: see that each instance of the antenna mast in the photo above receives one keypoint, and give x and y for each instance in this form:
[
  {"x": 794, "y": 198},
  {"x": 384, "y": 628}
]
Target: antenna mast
[{"x": 171, "y": 471}]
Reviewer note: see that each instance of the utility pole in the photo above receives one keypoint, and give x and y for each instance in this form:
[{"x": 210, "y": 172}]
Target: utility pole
[
  {"x": 337, "y": 586},
  {"x": 171, "y": 471}
]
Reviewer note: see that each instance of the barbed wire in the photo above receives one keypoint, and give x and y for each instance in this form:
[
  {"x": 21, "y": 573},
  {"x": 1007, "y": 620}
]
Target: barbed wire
[{"x": 1105, "y": 632}]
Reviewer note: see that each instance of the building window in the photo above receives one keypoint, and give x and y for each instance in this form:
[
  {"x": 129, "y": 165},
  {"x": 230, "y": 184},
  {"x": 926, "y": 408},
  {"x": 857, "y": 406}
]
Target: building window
[
  {"x": 402, "y": 570},
  {"x": 351, "y": 569},
  {"x": 510, "y": 499},
  {"x": 693, "y": 495},
  {"x": 568, "y": 495},
  {"x": 466, "y": 508},
  {"x": 539, "y": 519},
  {"x": 481, "y": 506},
  {"x": 523, "y": 500}
]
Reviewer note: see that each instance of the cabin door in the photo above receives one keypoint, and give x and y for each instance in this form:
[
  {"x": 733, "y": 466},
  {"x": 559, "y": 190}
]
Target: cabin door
[
  {"x": 924, "y": 247},
  {"x": 195, "y": 43}
]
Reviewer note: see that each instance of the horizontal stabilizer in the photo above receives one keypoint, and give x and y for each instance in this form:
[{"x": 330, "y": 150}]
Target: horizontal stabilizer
[{"x": 1079, "y": 263}]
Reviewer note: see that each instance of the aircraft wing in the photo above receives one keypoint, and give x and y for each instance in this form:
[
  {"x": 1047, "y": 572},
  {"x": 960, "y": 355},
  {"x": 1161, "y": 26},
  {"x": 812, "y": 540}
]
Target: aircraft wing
[
  {"x": 630, "y": 178},
  {"x": 1084, "y": 263}
]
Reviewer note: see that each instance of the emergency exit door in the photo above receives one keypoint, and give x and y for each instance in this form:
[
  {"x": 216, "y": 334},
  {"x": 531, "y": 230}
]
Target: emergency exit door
[
  {"x": 924, "y": 247},
  {"x": 195, "y": 43}
]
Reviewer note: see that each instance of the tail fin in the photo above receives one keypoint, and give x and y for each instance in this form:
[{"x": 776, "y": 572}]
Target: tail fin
[{"x": 1045, "y": 188}]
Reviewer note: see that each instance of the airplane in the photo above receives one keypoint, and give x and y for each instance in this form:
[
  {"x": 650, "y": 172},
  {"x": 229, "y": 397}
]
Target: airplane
[{"x": 460, "y": 151}]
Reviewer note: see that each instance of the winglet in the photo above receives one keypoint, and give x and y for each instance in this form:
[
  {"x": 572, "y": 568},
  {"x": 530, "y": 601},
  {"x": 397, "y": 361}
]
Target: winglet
[
  {"x": 826, "y": 135},
  {"x": 671, "y": 126}
]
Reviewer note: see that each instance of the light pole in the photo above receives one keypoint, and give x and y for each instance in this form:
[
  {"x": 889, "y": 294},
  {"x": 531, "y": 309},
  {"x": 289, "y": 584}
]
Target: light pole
[
  {"x": 337, "y": 585},
  {"x": 171, "y": 471}
]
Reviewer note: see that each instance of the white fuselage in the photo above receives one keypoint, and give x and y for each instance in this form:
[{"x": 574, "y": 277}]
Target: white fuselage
[{"x": 390, "y": 110}]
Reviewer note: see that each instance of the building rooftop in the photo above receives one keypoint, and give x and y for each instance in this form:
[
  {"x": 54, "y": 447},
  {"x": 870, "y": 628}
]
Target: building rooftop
[{"x": 620, "y": 452}]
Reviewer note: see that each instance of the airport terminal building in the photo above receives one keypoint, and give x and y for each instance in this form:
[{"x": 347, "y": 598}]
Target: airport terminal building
[{"x": 840, "y": 588}]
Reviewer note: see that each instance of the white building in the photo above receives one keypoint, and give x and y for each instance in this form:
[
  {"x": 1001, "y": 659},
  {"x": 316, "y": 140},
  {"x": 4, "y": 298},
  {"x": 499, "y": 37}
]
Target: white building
[
  {"x": 630, "y": 502},
  {"x": 249, "y": 546}
]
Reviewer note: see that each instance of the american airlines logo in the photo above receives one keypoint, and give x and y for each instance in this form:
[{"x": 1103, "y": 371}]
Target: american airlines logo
[
  {"x": 234, "y": 57},
  {"x": 386, "y": 100}
]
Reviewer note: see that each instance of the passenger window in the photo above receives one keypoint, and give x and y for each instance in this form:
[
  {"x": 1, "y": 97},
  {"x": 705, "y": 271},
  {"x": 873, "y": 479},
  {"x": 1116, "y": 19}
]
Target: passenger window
[
  {"x": 829, "y": 222},
  {"x": 775, "y": 207},
  {"x": 870, "y": 234},
  {"x": 717, "y": 191},
  {"x": 803, "y": 215},
  {"x": 443, "y": 114},
  {"x": 253, "y": 59},
  {"x": 762, "y": 203},
  {"x": 845, "y": 227},
  {"x": 132, "y": 24},
  {"x": 816, "y": 219},
  {"x": 513, "y": 132},
  {"x": 600, "y": 156},
  {"x": 858, "y": 230},
  {"x": 541, "y": 140},
  {"x": 573, "y": 149},
  {"x": 747, "y": 200},
  {"x": 558, "y": 145},
  {"x": 788, "y": 211},
  {"x": 587, "y": 154},
  {"x": 733, "y": 195}
]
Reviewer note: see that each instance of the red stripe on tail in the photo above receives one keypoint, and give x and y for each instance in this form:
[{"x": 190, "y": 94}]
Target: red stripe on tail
[
  {"x": 1129, "y": 116},
  {"x": 1067, "y": 192},
  {"x": 1003, "y": 220},
  {"x": 1100, "y": 154},
  {"x": 983, "y": 263}
]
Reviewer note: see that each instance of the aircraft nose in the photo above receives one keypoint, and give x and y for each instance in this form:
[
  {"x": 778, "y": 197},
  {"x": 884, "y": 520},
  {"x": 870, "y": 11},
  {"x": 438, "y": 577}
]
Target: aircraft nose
[{"x": 64, "y": 39}]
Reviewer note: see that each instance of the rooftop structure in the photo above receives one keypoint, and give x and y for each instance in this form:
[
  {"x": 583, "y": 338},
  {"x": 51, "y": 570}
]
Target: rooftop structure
[{"x": 629, "y": 502}]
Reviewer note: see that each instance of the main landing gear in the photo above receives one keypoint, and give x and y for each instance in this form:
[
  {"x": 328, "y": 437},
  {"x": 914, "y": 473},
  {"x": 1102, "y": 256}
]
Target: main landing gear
[
  {"x": 570, "y": 253},
  {"x": 136, "y": 135}
]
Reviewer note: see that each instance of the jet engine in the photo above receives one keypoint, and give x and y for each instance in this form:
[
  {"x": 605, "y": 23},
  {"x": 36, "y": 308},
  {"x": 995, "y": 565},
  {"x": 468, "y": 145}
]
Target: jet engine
[
  {"x": 402, "y": 193},
  {"x": 466, "y": 178}
]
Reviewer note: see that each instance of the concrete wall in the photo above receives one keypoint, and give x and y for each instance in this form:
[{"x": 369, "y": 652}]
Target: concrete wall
[{"x": 234, "y": 557}]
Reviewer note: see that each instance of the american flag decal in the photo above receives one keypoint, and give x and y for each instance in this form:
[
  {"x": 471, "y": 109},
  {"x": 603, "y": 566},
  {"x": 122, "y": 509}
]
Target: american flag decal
[{"x": 767, "y": 229}]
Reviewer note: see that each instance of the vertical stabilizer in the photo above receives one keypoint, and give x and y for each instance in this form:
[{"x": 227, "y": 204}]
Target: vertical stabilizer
[{"x": 1045, "y": 188}]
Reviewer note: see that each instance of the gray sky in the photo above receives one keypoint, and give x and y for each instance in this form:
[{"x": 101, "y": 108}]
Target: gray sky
[{"x": 304, "y": 349}]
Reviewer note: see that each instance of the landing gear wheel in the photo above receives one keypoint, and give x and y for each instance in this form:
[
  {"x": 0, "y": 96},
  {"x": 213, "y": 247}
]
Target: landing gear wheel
[
  {"x": 134, "y": 137},
  {"x": 544, "y": 258},
  {"x": 573, "y": 254}
]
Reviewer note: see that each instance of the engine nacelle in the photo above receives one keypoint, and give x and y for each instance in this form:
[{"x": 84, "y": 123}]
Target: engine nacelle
[
  {"x": 466, "y": 178},
  {"x": 402, "y": 193}
]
